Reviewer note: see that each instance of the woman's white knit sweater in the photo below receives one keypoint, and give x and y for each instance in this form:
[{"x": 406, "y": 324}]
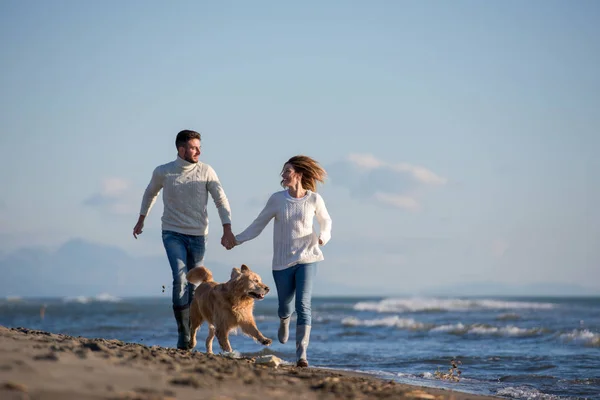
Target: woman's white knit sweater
[{"x": 294, "y": 240}]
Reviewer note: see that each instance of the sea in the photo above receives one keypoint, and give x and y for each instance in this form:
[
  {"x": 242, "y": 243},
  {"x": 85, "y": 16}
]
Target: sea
[{"x": 514, "y": 348}]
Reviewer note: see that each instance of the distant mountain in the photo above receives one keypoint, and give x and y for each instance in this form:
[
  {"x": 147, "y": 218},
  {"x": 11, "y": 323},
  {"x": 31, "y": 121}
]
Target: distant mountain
[
  {"x": 81, "y": 268},
  {"x": 498, "y": 289}
]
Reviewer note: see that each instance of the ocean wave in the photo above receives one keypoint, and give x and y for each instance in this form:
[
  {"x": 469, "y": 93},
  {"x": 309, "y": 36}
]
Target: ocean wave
[
  {"x": 395, "y": 321},
  {"x": 524, "y": 392},
  {"x": 107, "y": 298},
  {"x": 482, "y": 329},
  {"x": 77, "y": 299},
  {"x": 325, "y": 317},
  {"x": 456, "y": 329},
  {"x": 437, "y": 304},
  {"x": 585, "y": 381},
  {"x": 508, "y": 317},
  {"x": 451, "y": 328},
  {"x": 103, "y": 297},
  {"x": 583, "y": 336},
  {"x": 509, "y": 330}
]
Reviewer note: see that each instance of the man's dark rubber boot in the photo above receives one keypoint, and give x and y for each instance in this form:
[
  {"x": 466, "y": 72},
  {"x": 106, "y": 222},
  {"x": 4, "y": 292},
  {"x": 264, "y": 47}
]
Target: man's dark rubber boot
[{"x": 183, "y": 327}]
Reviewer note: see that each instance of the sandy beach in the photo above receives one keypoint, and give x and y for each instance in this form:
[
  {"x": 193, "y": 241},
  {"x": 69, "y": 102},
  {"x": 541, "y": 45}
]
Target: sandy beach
[{"x": 42, "y": 365}]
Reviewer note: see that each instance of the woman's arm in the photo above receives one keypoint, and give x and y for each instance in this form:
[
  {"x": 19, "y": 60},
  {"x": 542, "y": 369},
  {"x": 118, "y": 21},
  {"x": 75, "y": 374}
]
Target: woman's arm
[
  {"x": 324, "y": 221},
  {"x": 257, "y": 226}
]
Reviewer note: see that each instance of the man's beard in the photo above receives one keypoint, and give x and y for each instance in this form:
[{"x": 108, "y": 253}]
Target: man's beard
[{"x": 190, "y": 160}]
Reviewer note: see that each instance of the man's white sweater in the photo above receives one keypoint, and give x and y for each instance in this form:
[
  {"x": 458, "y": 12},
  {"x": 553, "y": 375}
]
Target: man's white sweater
[
  {"x": 294, "y": 240},
  {"x": 185, "y": 188}
]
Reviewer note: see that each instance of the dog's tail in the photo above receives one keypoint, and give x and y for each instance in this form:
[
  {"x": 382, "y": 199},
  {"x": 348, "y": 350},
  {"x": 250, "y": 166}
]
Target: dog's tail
[{"x": 199, "y": 274}]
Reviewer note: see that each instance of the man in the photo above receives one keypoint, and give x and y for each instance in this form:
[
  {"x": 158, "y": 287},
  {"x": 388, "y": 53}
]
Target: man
[{"x": 186, "y": 183}]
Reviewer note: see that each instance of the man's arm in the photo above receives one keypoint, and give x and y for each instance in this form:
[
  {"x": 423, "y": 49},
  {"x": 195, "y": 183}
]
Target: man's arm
[
  {"x": 138, "y": 228},
  {"x": 228, "y": 238},
  {"x": 148, "y": 200},
  {"x": 213, "y": 185}
]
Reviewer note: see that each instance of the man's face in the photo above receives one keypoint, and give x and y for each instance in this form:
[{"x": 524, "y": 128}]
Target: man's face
[{"x": 191, "y": 151}]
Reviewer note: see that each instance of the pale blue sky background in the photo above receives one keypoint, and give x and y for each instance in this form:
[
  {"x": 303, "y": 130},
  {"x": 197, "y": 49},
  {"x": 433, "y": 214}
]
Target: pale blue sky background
[{"x": 461, "y": 137}]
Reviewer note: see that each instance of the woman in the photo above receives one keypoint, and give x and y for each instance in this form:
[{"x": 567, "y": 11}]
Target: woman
[{"x": 296, "y": 249}]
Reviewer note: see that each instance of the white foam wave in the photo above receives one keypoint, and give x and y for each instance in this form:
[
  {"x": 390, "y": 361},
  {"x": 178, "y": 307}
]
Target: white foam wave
[
  {"x": 107, "y": 298},
  {"x": 480, "y": 329},
  {"x": 457, "y": 329},
  {"x": 524, "y": 392},
  {"x": 103, "y": 297},
  {"x": 450, "y": 328},
  {"x": 509, "y": 330},
  {"x": 395, "y": 321},
  {"x": 77, "y": 299},
  {"x": 418, "y": 304},
  {"x": 584, "y": 336}
]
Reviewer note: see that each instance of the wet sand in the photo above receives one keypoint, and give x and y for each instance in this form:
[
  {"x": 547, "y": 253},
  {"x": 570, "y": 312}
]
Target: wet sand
[{"x": 43, "y": 365}]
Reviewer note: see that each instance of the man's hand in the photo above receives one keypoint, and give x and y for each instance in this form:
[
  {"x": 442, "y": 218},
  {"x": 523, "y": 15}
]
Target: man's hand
[
  {"x": 138, "y": 228},
  {"x": 228, "y": 239}
]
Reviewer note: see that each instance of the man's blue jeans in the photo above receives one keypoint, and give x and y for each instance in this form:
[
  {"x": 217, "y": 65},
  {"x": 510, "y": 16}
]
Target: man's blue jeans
[
  {"x": 295, "y": 281},
  {"x": 184, "y": 253}
]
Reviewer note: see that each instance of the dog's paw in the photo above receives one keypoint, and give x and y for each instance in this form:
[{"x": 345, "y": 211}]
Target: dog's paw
[{"x": 267, "y": 342}]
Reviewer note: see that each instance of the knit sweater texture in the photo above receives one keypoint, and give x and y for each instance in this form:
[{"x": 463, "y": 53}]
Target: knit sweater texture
[
  {"x": 294, "y": 239},
  {"x": 185, "y": 189}
]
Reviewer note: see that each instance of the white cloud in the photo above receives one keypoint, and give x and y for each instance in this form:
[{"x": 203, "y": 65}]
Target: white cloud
[
  {"x": 420, "y": 174},
  {"x": 115, "y": 197},
  {"x": 399, "y": 185},
  {"x": 399, "y": 201},
  {"x": 114, "y": 187},
  {"x": 365, "y": 160}
]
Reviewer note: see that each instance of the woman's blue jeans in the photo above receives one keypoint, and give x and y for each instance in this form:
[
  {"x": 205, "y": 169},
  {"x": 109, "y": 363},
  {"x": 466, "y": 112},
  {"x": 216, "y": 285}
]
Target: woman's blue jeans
[
  {"x": 184, "y": 253},
  {"x": 295, "y": 281}
]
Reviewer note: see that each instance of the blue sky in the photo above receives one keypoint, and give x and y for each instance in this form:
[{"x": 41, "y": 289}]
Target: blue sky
[{"x": 460, "y": 137}]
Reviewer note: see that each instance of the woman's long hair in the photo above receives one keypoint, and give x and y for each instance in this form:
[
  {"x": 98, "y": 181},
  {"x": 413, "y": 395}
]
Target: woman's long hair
[{"x": 310, "y": 169}]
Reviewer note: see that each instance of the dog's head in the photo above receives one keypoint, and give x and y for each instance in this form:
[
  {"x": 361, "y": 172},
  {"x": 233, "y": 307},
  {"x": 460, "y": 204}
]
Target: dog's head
[{"x": 246, "y": 283}]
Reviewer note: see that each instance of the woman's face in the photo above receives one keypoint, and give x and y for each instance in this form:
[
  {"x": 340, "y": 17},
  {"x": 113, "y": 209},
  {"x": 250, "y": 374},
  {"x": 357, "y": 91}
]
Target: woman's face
[{"x": 290, "y": 177}]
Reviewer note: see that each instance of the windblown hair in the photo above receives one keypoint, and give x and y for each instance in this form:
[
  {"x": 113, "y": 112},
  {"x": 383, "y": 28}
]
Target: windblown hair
[
  {"x": 185, "y": 136},
  {"x": 310, "y": 169}
]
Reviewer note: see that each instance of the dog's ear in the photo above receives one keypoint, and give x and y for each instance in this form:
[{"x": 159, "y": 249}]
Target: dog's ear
[
  {"x": 245, "y": 268},
  {"x": 235, "y": 273}
]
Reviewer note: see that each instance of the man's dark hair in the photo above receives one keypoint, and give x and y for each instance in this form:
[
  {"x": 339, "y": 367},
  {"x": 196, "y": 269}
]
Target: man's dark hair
[{"x": 185, "y": 136}]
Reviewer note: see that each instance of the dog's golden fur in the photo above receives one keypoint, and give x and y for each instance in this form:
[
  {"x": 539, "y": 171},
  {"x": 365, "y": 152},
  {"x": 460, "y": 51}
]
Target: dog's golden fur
[{"x": 225, "y": 306}]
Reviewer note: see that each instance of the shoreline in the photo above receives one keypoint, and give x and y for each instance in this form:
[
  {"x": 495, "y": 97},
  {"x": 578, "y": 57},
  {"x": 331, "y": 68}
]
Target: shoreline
[{"x": 42, "y": 365}]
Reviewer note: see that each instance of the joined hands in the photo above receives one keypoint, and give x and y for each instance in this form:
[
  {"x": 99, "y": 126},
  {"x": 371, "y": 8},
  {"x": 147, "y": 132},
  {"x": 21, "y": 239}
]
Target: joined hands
[{"x": 228, "y": 239}]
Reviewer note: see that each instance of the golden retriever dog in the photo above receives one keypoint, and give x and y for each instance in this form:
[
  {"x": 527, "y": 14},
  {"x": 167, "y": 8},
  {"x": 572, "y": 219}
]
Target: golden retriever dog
[{"x": 225, "y": 306}]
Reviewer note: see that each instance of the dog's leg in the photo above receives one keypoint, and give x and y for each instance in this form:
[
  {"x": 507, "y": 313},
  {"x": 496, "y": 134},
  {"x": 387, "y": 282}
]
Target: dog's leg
[
  {"x": 223, "y": 338},
  {"x": 250, "y": 329},
  {"x": 195, "y": 322},
  {"x": 209, "y": 339}
]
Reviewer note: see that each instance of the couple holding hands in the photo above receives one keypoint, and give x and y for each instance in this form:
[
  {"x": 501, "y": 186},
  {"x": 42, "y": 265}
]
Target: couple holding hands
[{"x": 186, "y": 183}]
